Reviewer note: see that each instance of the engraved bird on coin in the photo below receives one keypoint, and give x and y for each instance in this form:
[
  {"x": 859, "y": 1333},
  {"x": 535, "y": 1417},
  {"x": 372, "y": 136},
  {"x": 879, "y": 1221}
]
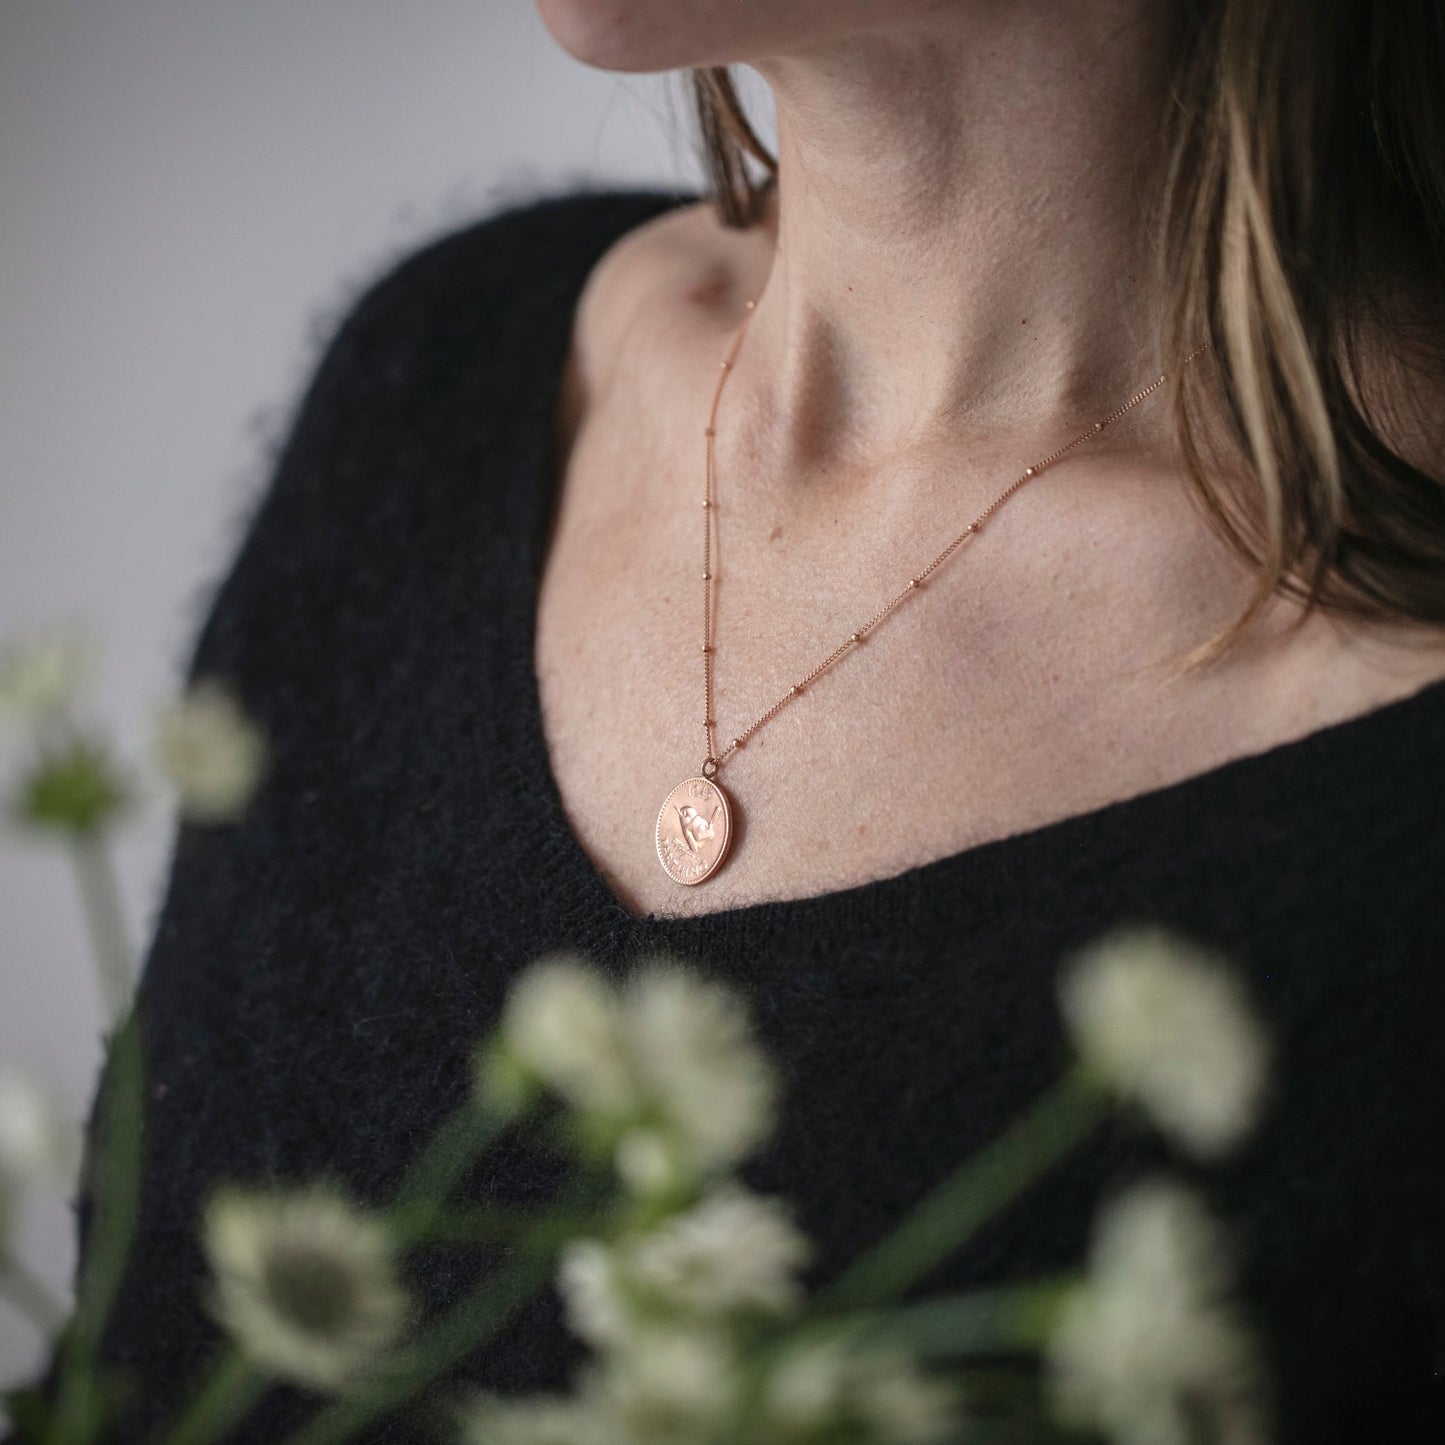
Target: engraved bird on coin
[{"x": 696, "y": 829}]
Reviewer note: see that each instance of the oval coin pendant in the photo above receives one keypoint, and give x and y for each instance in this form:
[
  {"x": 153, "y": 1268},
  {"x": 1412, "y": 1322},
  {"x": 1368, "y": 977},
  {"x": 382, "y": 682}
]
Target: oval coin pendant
[{"x": 693, "y": 830}]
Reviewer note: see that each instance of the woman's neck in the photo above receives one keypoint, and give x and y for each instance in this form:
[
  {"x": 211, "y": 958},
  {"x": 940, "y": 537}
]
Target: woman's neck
[{"x": 956, "y": 252}]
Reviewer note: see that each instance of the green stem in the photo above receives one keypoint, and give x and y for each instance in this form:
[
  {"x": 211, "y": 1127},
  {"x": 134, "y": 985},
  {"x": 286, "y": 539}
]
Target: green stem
[
  {"x": 440, "y": 1167},
  {"x": 226, "y": 1392},
  {"x": 105, "y": 920},
  {"x": 977, "y": 1190},
  {"x": 450, "y": 1339},
  {"x": 1006, "y": 1317},
  {"x": 32, "y": 1297},
  {"x": 115, "y": 1203},
  {"x": 488, "y": 1226}
]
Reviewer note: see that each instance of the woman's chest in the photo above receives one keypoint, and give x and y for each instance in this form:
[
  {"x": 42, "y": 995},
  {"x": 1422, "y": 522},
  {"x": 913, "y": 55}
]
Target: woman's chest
[{"x": 1013, "y": 690}]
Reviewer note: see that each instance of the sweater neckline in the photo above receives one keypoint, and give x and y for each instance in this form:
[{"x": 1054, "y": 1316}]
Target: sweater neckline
[{"x": 1263, "y": 782}]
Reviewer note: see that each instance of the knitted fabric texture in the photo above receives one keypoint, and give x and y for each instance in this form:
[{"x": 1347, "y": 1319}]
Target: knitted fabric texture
[{"x": 320, "y": 972}]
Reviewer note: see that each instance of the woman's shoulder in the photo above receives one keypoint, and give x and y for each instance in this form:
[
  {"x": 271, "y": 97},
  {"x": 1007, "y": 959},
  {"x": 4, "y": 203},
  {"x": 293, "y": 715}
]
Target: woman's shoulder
[{"x": 653, "y": 289}]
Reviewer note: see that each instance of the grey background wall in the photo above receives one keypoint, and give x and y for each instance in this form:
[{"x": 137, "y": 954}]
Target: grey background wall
[{"x": 190, "y": 192}]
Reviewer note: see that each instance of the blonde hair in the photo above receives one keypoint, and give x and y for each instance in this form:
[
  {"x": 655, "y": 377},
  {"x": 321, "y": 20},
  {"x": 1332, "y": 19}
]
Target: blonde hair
[{"x": 1303, "y": 175}]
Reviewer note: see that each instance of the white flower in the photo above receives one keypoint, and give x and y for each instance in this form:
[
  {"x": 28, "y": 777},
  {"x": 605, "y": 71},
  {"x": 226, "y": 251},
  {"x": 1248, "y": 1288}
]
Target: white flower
[
  {"x": 663, "y": 1072},
  {"x": 489, "y": 1419},
  {"x": 592, "y": 1285},
  {"x": 693, "y": 1049},
  {"x": 824, "y": 1389},
  {"x": 211, "y": 751},
  {"x": 561, "y": 1022},
  {"x": 41, "y": 674},
  {"x": 733, "y": 1253},
  {"x": 305, "y": 1282},
  {"x": 901, "y": 1405},
  {"x": 673, "y": 1387},
  {"x": 1151, "y": 1346},
  {"x": 1167, "y": 1023},
  {"x": 806, "y": 1388},
  {"x": 669, "y": 1387},
  {"x": 653, "y": 1162},
  {"x": 38, "y": 1142}
]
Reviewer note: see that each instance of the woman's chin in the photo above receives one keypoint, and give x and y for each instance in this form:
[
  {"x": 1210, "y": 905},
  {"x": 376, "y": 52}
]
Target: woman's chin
[
  {"x": 620, "y": 35},
  {"x": 652, "y": 36}
]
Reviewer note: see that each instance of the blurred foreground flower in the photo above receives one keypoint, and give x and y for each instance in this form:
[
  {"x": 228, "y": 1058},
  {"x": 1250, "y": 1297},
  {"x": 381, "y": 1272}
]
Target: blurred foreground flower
[
  {"x": 711, "y": 1086},
  {"x": 561, "y": 1032},
  {"x": 673, "y": 1311},
  {"x": 1167, "y": 1023},
  {"x": 673, "y": 1385},
  {"x": 487, "y": 1419},
  {"x": 822, "y": 1391},
  {"x": 211, "y": 751},
  {"x": 41, "y": 675},
  {"x": 38, "y": 1142},
  {"x": 676, "y": 1387},
  {"x": 1151, "y": 1348},
  {"x": 662, "y": 1073},
  {"x": 305, "y": 1283},
  {"x": 734, "y": 1253},
  {"x": 685, "y": 1388},
  {"x": 688, "y": 1287}
]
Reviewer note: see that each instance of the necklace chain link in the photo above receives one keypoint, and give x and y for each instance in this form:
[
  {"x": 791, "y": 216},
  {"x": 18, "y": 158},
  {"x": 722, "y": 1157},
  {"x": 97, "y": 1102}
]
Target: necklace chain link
[{"x": 714, "y": 759}]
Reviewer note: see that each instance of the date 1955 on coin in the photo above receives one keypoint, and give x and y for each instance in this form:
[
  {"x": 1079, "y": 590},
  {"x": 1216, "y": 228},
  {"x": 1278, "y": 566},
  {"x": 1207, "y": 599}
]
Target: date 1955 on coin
[{"x": 693, "y": 830}]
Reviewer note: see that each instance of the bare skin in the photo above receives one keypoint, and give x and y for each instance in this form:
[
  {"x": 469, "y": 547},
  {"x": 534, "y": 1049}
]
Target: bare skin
[{"x": 885, "y": 394}]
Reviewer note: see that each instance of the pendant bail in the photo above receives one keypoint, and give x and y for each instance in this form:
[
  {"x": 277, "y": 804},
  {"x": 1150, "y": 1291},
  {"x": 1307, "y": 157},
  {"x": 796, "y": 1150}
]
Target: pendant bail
[{"x": 709, "y": 769}]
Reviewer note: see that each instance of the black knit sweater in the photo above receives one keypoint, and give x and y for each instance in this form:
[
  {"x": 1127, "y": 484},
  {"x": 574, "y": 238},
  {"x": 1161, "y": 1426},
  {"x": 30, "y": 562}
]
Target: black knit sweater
[{"x": 320, "y": 971}]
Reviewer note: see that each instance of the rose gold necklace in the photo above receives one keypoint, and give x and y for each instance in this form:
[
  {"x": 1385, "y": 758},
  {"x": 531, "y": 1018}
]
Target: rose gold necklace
[{"x": 696, "y": 822}]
